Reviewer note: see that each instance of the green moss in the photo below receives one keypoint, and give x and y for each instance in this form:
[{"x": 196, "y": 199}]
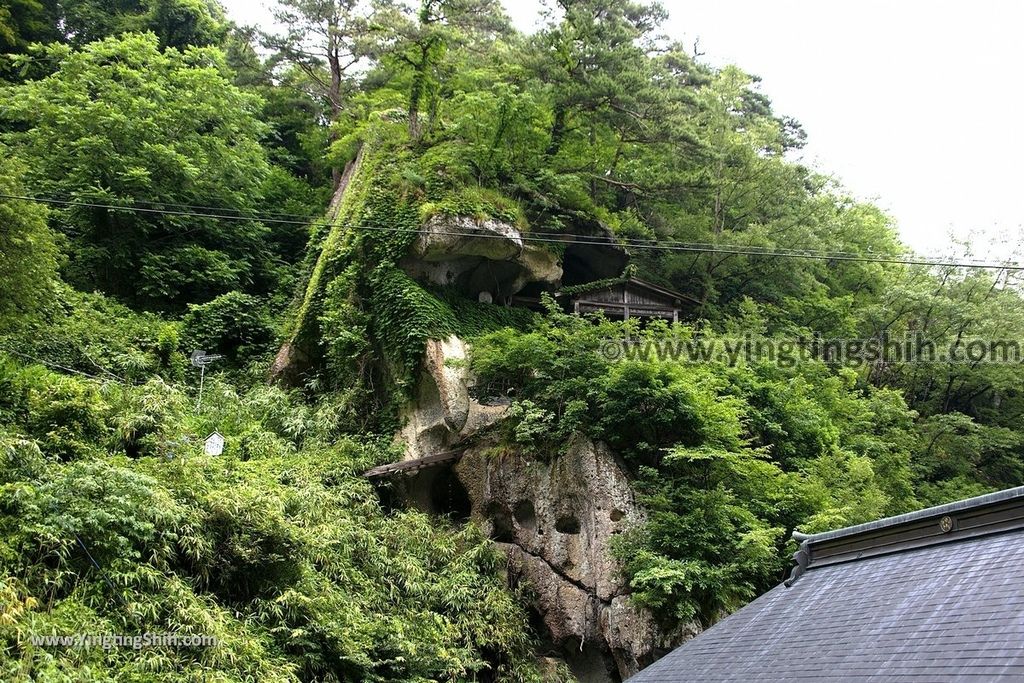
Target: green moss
[
  {"x": 380, "y": 140},
  {"x": 406, "y": 315},
  {"x": 351, "y": 207},
  {"x": 479, "y": 203},
  {"x": 629, "y": 272},
  {"x": 472, "y": 318}
]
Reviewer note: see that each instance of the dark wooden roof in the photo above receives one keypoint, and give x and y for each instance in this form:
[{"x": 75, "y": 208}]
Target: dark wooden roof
[
  {"x": 577, "y": 291},
  {"x": 411, "y": 466},
  {"x": 635, "y": 281},
  {"x": 935, "y": 595}
]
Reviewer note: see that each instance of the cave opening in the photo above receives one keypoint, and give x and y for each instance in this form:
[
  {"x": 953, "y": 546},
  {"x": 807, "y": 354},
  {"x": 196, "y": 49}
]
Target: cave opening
[
  {"x": 587, "y": 262},
  {"x": 434, "y": 490},
  {"x": 497, "y": 278},
  {"x": 591, "y": 664},
  {"x": 526, "y": 516},
  {"x": 448, "y": 496},
  {"x": 567, "y": 524}
]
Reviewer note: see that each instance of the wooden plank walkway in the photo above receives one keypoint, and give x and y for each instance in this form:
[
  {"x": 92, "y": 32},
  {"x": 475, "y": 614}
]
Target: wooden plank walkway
[{"x": 410, "y": 466}]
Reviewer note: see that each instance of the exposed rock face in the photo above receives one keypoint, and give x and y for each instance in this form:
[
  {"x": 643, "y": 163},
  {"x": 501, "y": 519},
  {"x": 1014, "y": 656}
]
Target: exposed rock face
[
  {"x": 539, "y": 265},
  {"x": 288, "y": 365},
  {"x": 446, "y": 236},
  {"x": 556, "y": 521},
  {"x": 443, "y": 413},
  {"x": 479, "y": 256}
]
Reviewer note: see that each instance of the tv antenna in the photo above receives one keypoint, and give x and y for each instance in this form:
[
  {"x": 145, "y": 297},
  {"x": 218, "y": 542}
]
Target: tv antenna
[{"x": 200, "y": 360}]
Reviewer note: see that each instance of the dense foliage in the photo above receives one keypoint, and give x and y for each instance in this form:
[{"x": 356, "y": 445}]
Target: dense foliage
[
  {"x": 113, "y": 521},
  {"x": 121, "y": 120},
  {"x": 729, "y": 459},
  {"x": 188, "y": 165},
  {"x": 28, "y": 253}
]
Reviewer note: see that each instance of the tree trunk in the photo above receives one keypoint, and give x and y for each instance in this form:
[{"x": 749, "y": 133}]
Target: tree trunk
[
  {"x": 557, "y": 131},
  {"x": 419, "y": 79}
]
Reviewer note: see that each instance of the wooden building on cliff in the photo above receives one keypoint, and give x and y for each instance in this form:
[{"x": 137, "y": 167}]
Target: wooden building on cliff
[{"x": 627, "y": 297}]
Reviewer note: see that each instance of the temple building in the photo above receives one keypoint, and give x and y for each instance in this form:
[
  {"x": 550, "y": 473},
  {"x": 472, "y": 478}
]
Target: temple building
[{"x": 933, "y": 595}]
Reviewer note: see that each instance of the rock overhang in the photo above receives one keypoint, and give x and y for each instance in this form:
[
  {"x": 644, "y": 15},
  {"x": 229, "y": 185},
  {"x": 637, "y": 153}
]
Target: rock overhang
[{"x": 491, "y": 260}]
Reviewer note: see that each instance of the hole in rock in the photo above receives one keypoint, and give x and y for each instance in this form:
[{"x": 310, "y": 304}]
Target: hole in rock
[
  {"x": 567, "y": 524},
  {"x": 591, "y": 261},
  {"x": 449, "y": 497},
  {"x": 525, "y": 515},
  {"x": 617, "y": 514},
  {"x": 591, "y": 664},
  {"x": 434, "y": 490},
  {"x": 501, "y": 523}
]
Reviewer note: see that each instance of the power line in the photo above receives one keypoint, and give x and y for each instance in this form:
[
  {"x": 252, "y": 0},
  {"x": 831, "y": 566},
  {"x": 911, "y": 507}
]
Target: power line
[
  {"x": 561, "y": 238},
  {"x": 532, "y": 235},
  {"x": 245, "y": 213},
  {"x": 269, "y": 218},
  {"x": 99, "y": 569},
  {"x": 110, "y": 377},
  {"x": 58, "y": 366}
]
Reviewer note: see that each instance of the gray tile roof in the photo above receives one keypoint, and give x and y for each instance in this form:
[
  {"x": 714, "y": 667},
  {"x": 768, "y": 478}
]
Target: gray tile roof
[{"x": 933, "y": 596}]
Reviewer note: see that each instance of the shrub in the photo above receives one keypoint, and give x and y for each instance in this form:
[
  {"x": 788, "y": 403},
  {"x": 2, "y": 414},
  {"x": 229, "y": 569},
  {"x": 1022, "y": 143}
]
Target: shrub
[
  {"x": 67, "y": 416},
  {"x": 235, "y": 325}
]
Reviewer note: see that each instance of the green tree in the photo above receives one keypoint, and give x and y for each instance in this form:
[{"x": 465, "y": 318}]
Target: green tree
[
  {"x": 727, "y": 460},
  {"x": 122, "y": 123},
  {"x": 293, "y": 108},
  {"x": 178, "y": 23},
  {"x": 233, "y": 324},
  {"x": 593, "y": 54},
  {"x": 28, "y": 253},
  {"x": 325, "y": 40},
  {"x": 416, "y": 39},
  {"x": 27, "y": 21}
]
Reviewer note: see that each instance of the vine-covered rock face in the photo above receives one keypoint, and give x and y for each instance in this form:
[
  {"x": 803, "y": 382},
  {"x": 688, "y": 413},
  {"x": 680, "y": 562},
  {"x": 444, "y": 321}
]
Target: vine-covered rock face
[
  {"x": 556, "y": 521},
  {"x": 486, "y": 258}
]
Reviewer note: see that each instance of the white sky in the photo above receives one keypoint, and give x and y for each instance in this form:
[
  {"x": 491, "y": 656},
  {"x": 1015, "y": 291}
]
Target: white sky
[{"x": 914, "y": 104}]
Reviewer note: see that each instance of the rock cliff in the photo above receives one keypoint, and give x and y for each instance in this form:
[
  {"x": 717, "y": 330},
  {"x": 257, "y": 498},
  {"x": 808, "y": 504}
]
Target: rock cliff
[
  {"x": 554, "y": 519},
  {"x": 442, "y": 413},
  {"x": 481, "y": 258}
]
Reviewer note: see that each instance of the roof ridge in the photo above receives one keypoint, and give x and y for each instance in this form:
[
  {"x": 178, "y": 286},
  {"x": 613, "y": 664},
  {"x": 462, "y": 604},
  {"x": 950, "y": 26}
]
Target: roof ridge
[
  {"x": 587, "y": 287},
  {"x": 990, "y": 513},
  {"x": 934, "y": 511}
]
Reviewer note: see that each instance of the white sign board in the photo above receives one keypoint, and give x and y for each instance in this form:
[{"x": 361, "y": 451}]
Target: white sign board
[{"x": 214, "y": 444}]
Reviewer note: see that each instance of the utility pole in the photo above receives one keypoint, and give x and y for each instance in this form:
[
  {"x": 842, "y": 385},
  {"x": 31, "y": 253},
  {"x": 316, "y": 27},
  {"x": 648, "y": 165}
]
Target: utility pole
[{"x": 200, "y": 360}]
